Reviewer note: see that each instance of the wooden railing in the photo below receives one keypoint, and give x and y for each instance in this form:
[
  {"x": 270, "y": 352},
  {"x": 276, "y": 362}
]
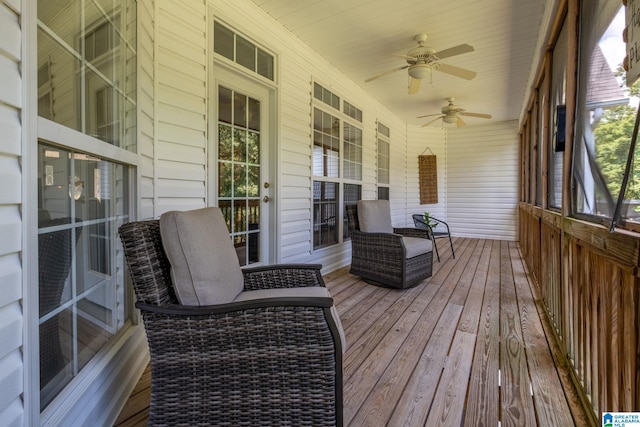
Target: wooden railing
[{"x": 588, "y": 281}]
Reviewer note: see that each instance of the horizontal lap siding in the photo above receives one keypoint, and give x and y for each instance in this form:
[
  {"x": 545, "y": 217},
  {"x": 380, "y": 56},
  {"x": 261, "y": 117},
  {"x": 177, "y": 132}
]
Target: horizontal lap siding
[
  {"x": 146, "y": 108},
  {"x": 482, "y": 181},
  {"x": 180, "y": 108},
  {"x": 11, "y": 319}
]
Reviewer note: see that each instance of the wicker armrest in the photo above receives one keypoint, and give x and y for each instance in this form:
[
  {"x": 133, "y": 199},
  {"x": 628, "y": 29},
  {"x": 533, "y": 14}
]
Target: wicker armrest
[
  {"x": 178, "y": 310},
  {"x": 282, "y": 276},
  {"x": 378, "y": 245},
  {"x": 412, "y": 232}
]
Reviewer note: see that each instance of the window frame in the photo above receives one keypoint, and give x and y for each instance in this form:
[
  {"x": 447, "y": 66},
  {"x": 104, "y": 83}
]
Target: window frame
[
  {"x": 577, "y": 194},
  {"x": 327, "y": 101},
  {"x": 49, "y": 132}
]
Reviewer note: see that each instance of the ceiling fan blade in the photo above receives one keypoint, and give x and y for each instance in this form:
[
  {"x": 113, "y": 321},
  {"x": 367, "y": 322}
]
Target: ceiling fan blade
[
  {"x": 480, "y": 115},
  {"x": 456, "y": 71},
  {"x": 460, "y": 122},
  {"x": 428, "y": 123},
  {"x": 386, "y": 73},
  {"x": 428, "y": 115},
  {"x": 453, "y": 51},
  {"x": 414, "y": 86}
]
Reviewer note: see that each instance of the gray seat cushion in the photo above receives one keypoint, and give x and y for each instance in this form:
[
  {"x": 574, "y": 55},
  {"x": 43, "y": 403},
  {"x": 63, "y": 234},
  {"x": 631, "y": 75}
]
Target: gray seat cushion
[
  {"x": 204, "y": 266},
  {"x": 416, "y": 246},
  {"x": 374, "y": 216}
]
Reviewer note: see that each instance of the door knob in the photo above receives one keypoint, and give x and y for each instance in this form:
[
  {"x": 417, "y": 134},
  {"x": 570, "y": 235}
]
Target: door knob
[{"x": 266, "y": 199}]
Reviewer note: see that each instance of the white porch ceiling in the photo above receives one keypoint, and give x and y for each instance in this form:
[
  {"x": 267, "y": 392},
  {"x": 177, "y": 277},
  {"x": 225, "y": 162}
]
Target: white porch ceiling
[{"x": 360, "y": 36}]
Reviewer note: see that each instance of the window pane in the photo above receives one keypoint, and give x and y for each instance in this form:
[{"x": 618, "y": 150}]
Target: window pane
[
  {"x": 224, "y": 105},
  {"x": 352, "y": 193},
  {"x": 383, "y": 193},
  {"x": 82, "y": 200},
  {"x": 92, "y": 72},
  {"x": 604, "y": 117},
  {"x": 326, "y": 144},
  {"x": 352, "y": 155},
  {"x": 239, "y": 109},
  {"x": 265, "y": 64},
  {"x": 245, "y": 53},
  {"x": 558, "y": 94},
  {"x": 325, "y": 208},
  {"x": 223, "y": 40},
  {"x": 383, "y": 154}
]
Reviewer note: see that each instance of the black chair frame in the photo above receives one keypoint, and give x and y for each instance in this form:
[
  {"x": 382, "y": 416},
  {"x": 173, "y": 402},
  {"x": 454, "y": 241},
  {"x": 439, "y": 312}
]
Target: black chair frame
[{"x": 420, "y": 223}]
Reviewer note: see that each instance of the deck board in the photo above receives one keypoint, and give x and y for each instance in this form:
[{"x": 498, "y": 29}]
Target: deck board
[{"x": 430, "y": 355}]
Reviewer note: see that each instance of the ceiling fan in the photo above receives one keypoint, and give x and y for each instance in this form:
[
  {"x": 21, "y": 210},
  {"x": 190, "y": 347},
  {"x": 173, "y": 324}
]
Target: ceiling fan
[
  {"x": 422, "y": 60},
  {"x": 451, "y": 113}
]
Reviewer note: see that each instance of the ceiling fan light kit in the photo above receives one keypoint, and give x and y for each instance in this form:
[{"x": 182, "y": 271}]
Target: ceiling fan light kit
[
  {"x": 451, "y": 115},
  {"x": 422, "y": 60},
  {"x": 420, "y": 71}
]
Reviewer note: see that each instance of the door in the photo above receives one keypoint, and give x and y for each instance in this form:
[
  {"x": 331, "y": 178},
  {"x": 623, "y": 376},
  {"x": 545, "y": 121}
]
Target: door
[{"x": 240, "y": 163}]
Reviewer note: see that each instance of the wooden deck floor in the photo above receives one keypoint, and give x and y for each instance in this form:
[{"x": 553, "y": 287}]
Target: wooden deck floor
[{"x": 464, "y": 348}]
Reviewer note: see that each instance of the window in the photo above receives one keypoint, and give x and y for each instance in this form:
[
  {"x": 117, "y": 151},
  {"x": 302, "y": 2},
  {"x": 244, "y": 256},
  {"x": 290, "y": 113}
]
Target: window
[
  {"x": 83, "y": 197},
  {"x": 557, "y": 101},
  {"x": 242, "y": 51},
  {"x": 604, "y": 116},
  {"x": 337, "y": 164},
  {"x": 384, "y": 143}
]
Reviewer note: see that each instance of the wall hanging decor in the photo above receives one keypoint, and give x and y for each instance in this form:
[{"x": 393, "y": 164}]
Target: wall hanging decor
[{"x": 428, "y": 178}]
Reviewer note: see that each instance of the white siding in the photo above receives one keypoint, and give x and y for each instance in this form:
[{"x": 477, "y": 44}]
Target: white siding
[
  {"x": 11, "y": 319},
  {"x": 180, "y": 94},
  {"x": 482, "y": 181},
  {"x": 146, "y": 107}
]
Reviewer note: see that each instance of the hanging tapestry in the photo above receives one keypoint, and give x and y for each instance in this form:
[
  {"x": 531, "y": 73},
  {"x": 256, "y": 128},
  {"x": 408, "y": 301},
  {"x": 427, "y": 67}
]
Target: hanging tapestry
[{"x": 428, "y": 179}]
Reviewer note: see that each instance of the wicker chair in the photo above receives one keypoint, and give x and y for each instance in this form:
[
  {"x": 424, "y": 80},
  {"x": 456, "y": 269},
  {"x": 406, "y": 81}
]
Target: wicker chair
[
  {"x": 261, "y": 362},
  {"x": 419, "y": 222},
  {"x": 383, "y": 257}
]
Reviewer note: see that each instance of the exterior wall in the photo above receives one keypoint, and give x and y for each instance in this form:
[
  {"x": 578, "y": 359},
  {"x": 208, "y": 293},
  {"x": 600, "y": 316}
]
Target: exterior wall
[
  {"x": 11, "y": 317},
  {"x": 180, "y": 131},
  {"x": 298, "y": 68},
  {"x": 482, "y": 181},
  {"x": 146, "y": 108}
]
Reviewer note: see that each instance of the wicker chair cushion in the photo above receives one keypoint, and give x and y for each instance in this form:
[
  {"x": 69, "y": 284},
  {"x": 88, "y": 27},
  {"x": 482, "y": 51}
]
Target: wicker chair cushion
[
  {"x": 374, "y": 216},
  {"x": 415, "y": 246},
  {"x": 305, "y": 292},
  {"x": 204, "y": 266}
]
